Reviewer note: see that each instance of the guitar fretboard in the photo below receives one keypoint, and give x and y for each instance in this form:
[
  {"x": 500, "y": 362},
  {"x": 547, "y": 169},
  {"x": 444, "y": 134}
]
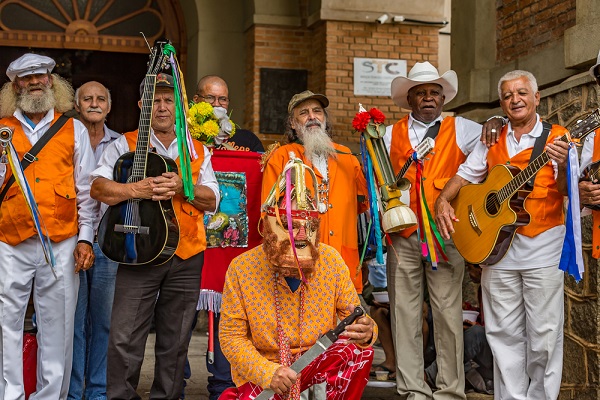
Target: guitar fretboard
[
  {"x": 138, "y": 171},
  {"x": 579, "y": 131}
]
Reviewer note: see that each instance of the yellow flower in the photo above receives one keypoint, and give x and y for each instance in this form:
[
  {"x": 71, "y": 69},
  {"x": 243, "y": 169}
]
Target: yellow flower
[
  {"x": 201, "y": 111},
  {"x": 232, "y": 128},
  {"x": 204, "y": 125},
  {"x": 210, "y": 128}
]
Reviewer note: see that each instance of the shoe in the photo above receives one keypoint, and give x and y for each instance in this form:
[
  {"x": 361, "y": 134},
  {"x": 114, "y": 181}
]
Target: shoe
[{"x": 380, "y": 367}]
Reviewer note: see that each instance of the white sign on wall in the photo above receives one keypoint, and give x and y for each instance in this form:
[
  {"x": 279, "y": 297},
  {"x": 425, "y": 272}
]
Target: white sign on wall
[{"x": 374, "y": 76}]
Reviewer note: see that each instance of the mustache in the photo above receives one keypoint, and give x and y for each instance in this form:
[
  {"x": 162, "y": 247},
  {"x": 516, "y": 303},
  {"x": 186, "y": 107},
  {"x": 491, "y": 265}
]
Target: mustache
[
  {"x": 313, "y": 122},
  {"x": 94, "y": 109},
  {"x": 32, "y": 87}
]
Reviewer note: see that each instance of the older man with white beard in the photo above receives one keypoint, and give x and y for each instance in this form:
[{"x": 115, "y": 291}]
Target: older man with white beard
[
  {"x": 341, "y": 183},
  {"x": 59, "y": 176}
]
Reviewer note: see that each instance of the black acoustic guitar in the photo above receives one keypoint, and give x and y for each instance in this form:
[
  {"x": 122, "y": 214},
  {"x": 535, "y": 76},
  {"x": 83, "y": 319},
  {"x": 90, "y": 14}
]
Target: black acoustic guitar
[{"x": 141, "y": 231}]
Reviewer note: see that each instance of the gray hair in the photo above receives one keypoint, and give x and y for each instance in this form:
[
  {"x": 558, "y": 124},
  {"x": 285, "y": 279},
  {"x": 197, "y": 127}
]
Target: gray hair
[
  {"x": 290, "y": 133},
  {"x": 518, "y": 73},
  {"x": 107, "y": 92}
]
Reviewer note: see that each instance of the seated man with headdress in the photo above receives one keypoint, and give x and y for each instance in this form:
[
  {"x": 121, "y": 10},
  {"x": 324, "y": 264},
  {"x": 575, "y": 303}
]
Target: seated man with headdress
[{"x": 280, "y": 297}]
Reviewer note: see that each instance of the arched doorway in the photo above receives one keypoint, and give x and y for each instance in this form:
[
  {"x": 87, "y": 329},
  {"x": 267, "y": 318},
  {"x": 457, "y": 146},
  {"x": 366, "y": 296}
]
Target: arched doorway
[{"x": 93, "y": 40}]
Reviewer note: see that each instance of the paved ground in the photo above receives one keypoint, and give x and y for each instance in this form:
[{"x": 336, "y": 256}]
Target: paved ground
[{"x": 196, "y": 388}]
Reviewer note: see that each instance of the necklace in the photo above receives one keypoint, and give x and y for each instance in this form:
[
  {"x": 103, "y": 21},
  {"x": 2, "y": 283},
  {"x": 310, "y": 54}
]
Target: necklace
[
  {"x": 283, "y": 340},
  {"x": 321, "y": 163}
]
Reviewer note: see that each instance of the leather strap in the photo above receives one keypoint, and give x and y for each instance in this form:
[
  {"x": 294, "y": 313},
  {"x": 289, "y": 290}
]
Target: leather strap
[
  {"x": 538, "y": 147},
  {"x": 433, "y": 131},
  {"x": 29, "y": 157}
]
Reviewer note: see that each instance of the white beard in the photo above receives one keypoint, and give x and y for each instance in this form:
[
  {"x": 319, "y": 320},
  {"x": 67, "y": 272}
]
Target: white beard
[
  {"x": 317, "y": 143},
  {"x": 33, "y": 104}
]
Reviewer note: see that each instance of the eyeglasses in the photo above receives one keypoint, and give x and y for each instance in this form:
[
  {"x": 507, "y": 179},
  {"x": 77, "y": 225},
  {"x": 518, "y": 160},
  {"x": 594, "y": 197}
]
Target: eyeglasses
[{"x": 211, "y": 99}]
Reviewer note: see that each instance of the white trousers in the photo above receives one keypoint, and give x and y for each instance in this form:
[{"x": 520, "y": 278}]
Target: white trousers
[
  {"x": 22, "y": 267},
  {"x": 524, "y": 319},
  {"x": 406, "y": 275}
]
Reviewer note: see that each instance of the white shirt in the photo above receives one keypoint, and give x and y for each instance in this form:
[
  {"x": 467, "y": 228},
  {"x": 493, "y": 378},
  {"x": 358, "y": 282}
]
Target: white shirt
[
  {"x": 109, "y": 137},
  {"x": 116, "y": 149},
  {"x": 587, "y": 151},
  {"x": 468, "y": 133},
  {"x": 543, "y": 250},
  {"x": 83, "y": 162}
]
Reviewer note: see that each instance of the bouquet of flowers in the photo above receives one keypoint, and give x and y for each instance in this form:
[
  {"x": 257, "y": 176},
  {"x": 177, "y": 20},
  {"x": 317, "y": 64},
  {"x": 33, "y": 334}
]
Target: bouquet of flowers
[
  {"x": 370, "y": 122},
  {"x": 210, "y": 125}
]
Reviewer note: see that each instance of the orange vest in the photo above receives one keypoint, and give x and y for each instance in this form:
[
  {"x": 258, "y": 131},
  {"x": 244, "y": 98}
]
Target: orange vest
[
  {"x": 596, "y": 214},
  {"x": 437, "y": 170},
  {"x": 545, "y": 203},
  {"x": 52, "y": 182},
  {"x": 192, "y": 237}
]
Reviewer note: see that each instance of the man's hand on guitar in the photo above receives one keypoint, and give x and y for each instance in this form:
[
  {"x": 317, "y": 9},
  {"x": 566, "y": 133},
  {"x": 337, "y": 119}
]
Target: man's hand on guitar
[
  {"x": 589, "y": 193},
  {"x": 558, "y": 151},
  {"x": 444, "y": 216},
  {"x": 167, "y": 186},
  {"x": 157, "y": 188},
  {"x": 282, "y": 380}
]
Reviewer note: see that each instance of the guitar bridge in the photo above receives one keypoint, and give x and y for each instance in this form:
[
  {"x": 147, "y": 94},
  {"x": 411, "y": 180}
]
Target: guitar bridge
[
  {"x": 473, "y": 220},
  {"x": 143, "y": 230}
]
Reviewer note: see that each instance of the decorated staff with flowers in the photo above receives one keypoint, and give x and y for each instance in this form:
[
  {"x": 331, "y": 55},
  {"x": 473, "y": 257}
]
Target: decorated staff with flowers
[
  {"x": 378, "y": 168},
  {"x": 341, "y": 183},
  {"x": 418, "y": 257},
  {"x": 233, "y": 228}
]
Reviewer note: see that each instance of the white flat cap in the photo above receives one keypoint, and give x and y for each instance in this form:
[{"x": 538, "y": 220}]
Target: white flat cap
[{"x": 29, "y": 64}]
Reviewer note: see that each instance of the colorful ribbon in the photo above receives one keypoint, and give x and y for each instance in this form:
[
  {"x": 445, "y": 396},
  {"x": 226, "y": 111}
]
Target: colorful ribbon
[
  {"x": 432, "y": 244},
  {"x": 374, "y": 228},
  {"x": 185, "y": 145},
  {"x": 21, "y": 181},
  {"x": 571, "y": 258}
]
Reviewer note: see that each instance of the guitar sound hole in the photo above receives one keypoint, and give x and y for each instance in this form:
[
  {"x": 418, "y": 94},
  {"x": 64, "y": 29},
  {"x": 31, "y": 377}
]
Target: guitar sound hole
[{"x": 492, "y": 205}]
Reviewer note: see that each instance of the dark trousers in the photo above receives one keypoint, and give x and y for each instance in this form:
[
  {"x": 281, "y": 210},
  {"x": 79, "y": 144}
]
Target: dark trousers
[
  {"x": 220, "y": 368},
  {"x": 170, "y": 293}
]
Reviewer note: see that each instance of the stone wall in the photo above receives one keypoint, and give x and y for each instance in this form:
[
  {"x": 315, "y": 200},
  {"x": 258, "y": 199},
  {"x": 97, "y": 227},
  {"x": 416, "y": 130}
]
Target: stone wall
[
  {"x": 564, "y": 104},
  {"x": 526, "y": 26}
]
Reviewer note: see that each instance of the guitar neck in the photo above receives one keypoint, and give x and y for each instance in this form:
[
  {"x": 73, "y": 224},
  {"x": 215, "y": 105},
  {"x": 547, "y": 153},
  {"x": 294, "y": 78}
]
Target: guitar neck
[
  {"x": 534, "y": 166},
  {"x": 140, "y": 158},
  {"x": 404, "y": 168}
]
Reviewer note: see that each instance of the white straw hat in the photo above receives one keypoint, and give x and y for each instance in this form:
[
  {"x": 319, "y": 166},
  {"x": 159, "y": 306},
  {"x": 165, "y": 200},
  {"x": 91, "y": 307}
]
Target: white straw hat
[{"x": 421, "y": 73}]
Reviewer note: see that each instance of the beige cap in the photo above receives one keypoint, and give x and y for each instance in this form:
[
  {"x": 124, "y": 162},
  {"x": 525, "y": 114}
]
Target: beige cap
[
  {"x": 30, "y": 64},
  {"x": 307, "y": 95}
]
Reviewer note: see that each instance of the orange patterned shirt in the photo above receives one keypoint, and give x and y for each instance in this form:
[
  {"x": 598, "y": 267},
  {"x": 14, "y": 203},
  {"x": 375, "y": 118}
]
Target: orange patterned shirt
[{"x": 248, "y": 326}]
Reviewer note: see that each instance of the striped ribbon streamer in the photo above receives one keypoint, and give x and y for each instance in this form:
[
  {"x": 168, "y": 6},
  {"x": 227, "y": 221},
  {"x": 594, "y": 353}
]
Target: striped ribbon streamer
[
  {"x": 432, "y": 244},
  {"x": 374, "y": 228},
  {"x": 571, "y": 258},
  {"x": 185, "y": 145},
  {"x": 21, "y": 181}
]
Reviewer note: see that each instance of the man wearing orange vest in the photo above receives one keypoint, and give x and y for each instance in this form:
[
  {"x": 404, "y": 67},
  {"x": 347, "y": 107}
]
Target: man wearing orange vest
[
  {"x": 589, "y": 192},
  {"x": 523, "y": 292},
  {"x": 425, "y": 92},
  {"x": 168, "y": 291},
  {"x": 341, "y": 182},
  {"x": 58, "y": 175}
]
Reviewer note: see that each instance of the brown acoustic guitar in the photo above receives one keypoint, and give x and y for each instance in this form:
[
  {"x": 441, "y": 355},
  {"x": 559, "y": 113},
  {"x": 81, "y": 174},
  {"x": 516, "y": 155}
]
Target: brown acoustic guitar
[{"x": 490, "y": 212}]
